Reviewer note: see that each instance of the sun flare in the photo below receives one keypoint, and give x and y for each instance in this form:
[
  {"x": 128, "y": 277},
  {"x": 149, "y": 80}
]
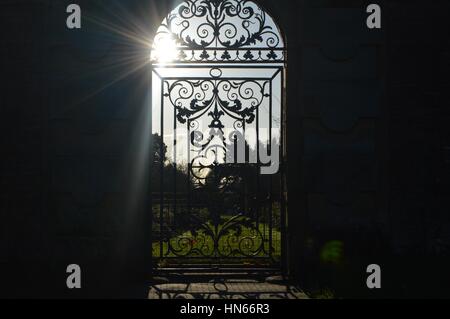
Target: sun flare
[{"x": 165, "y": 50}]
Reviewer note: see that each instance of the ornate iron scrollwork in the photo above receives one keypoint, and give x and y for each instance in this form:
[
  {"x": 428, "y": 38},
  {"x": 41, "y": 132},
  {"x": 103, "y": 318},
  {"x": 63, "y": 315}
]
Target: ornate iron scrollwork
[
  {"x": 220, "y": 241},
  {"x": 222, "y": 30},
  {"x": 236, "y": 98}
]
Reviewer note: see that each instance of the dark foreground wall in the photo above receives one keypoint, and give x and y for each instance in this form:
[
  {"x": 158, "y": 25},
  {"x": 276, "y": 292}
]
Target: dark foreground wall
[{"x": 368, "y": 146}]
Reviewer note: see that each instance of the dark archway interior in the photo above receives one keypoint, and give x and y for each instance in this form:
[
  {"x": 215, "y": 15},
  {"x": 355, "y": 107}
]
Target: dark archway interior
[{"x": 367, "y": 139}]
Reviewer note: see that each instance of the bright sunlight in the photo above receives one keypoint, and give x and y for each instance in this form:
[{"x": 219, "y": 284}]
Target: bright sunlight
[{"x": 164, "y": 50}]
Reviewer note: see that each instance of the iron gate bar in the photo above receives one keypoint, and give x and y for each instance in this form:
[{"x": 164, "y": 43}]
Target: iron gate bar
[
  {"x": 161, "y": 177},
  {"x": 271, "y": 179},
  {"x": 237, "y": 66},
  {"x": 282, "y": 168}
]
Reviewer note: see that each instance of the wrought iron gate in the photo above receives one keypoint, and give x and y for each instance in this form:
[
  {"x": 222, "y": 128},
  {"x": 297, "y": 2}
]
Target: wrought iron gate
[{"x": 218, "y": 194}]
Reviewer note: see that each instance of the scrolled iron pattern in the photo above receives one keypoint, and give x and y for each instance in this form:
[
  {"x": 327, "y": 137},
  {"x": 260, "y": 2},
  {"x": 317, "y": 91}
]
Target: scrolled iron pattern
[
  {"x": 222, "y": 31},
  {"x": 238, "y": 99},
  {"x": 185, "y": 55},
  {"x": 205, "y": 242}
]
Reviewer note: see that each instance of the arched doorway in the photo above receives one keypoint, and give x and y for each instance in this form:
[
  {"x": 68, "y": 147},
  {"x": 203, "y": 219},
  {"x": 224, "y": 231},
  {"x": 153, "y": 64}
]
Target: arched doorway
[{"x": 218, "y": 190}]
